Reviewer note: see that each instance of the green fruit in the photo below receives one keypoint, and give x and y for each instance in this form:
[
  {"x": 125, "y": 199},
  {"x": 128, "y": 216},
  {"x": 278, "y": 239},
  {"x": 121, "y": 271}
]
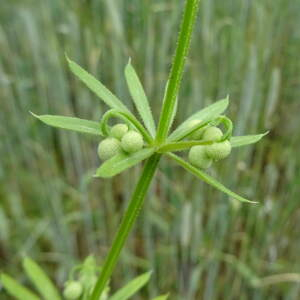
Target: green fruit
[
  {"x": 118, "y": 131},
  {"x": 212, "y": 134},
  {"x": 109, "y": 148},
  {"x": 73, "y": 290},
  {"x": 198, "y": 157},
  {"x": 218, "y": 151},
  {"x": 132, "y": 142}
]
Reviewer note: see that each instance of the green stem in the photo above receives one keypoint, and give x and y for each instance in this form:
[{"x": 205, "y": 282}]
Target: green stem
[
  {"x": 131, "y": 214},
  {"x": 183, "y": 45},
  {"x": 167, "y": 114}
]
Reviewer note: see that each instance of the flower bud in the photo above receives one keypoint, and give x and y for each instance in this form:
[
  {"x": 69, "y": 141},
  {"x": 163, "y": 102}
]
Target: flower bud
[
  {"x": 212, "y": 134},
  {"x": 73, "y": 290},
  {"x": 109, "y": 148},
  {"x": 132, "y": 141},
  {"x": 198, "y": 157},
  {"x": 118, "y": 131},
  {"x": 218, "y": 151}
]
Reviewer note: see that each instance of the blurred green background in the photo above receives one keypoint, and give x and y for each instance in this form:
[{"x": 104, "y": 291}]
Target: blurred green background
[{"x": 200, "y": 244}]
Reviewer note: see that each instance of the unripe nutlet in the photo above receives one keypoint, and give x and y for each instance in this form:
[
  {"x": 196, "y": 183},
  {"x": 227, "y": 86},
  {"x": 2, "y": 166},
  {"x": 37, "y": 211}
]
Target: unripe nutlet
[
  {"x": 109, "y": 148},
  {"x": 73, "y": 290},
  {"x": 218, "y": 151},
  {"x": 132, "y": 142},
  {"x": 212, "y": 134},
  {"x": 198, "y": 157},
  {"x": 118, "y": 131}
]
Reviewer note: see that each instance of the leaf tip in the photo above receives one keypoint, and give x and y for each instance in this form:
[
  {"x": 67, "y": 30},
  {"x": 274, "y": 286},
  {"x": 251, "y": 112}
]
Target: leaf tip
[
  {"x": 67, "y": 57},
  {"x": 34, "y": 115},
  {"x": 265, "y": 133}
]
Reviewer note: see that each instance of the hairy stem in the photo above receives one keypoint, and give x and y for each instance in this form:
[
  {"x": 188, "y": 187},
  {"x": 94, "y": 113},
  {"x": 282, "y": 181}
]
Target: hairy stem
[
  {"x": 129, "y": 219},
  {"x": 183, "y": 45},
  {"x": 167, "y": 114}
]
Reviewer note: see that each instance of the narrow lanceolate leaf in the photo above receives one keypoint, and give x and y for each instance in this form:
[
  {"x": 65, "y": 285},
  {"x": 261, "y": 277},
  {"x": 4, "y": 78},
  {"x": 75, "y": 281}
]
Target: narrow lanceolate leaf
[
  {"x": 139, "y": 98},
  {"x": 162, "y": 297},
  {"x": 239, "y": 141},
  {"x": 208, "y": 113},
  {"x": 131, "y": 288},
  {"x": 40, "y": 280},
  {"x": 207, "y": 178},
  {"x": 17, "y": 290},
  {"x": 180, "y": 146},
  {"x": 121, "y": 162},
  {"x": 70, "y": 123},
  {"x": 96, "y": 86}
]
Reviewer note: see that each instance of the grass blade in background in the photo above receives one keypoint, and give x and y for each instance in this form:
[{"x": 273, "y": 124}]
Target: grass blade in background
[
  {"x": 132, "y": 287},
  {"x": 40, "y": 280},
  {"x": 139, "y": 97},
  {"x": 17, "y": 290},
  {"x": 70, "y": 123}
]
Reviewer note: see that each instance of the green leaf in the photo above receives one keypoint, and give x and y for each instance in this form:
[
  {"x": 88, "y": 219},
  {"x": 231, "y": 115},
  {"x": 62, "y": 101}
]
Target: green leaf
[
  {"x": 96, "y": 86},
  {"x": 207, "y": 178},
  {"x": 121, "y": 162},
  {"x": 40, "y": 280},
  {"x": 180, "y": 146},
  {"x": 239, "y": 141},
  {"x": 139, "y": 98},
  {"x": 132, "y": 287},
  {"x": 207, "y": 114},
  {"x": 162, "y": 297},
  {"x": 69, "y": 123},
  {"x": 17, "y": 290}
]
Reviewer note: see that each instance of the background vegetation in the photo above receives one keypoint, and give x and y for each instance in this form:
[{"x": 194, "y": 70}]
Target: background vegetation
[{"x": 199, "y": 244}]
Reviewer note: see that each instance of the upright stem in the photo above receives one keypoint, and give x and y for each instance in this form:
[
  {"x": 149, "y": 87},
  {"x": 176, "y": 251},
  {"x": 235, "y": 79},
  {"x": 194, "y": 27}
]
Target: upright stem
[
  {"x": 183, "y": 44},
  {"x": 129, "y": 218},
  {"x": 167, "y": 114}
]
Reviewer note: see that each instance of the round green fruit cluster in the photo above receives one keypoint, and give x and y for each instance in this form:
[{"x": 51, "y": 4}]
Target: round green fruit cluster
[
  {"x": 202, "y": 156},
  {"x": 120, "y": 139}
]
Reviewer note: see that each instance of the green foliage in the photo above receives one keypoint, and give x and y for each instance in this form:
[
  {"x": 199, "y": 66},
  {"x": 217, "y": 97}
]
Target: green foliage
[
  {"x": 40, "y": 280},
  {"x": 132, "y": 142},
  {"x": 96, "y": 86},
  {"x": 140, "y": 99},
  {"x": 74, "y": 289},
  {"x": 122, "y": 162},
  {"x": 131, "y": 288},
  {"x": 70, "y": 123},
  {"x": 47, "y": 197},
  {"x": 206, "y": 178},
  {"x": 239, "y": 141},
  {"x": 17, "y": 290}
]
